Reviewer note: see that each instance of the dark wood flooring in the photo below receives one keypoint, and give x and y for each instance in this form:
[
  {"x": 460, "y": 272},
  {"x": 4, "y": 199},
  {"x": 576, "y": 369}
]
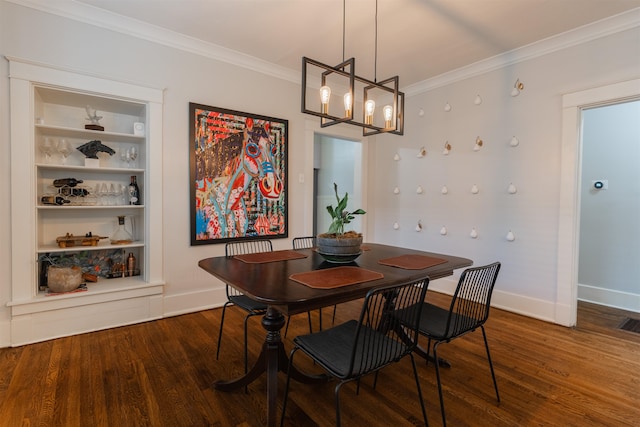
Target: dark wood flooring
[{"x": 160, "y": 374}]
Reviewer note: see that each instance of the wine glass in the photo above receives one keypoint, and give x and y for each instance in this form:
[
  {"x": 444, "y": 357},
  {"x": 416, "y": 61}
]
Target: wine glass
[
  {"x": 133, "y": 154},
  {"x": 47, "y": 147},
  {"x": 113, "y": 200},
  {"x": 64, "y": 148},
  {"x": 124, "y": 156}
]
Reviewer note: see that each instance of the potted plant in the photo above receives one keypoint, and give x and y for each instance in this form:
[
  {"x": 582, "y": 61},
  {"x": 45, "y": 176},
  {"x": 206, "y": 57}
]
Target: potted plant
[{"x": 336, "y": 245}]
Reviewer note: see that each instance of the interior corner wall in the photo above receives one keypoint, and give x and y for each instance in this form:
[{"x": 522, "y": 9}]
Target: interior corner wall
[
  {"x": 527, "y": 283},
  {"x": 185, "y": 77},
  {"x": 609, "y": 227}
]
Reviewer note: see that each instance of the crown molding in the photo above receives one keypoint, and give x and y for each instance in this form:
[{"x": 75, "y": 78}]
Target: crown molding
[
  {"x": 101, "y": 18},
  {"x": 111, "y": 21},
  {"x": 605, "y": 27}
]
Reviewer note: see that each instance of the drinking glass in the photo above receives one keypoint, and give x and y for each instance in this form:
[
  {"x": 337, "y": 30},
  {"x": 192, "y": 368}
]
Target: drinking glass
[
  {"x": 47, "y": 147},
  {"x": 133, "y": 155},
  {"x": 64, "y": 148},
  {"x": 124, "y": 156}
]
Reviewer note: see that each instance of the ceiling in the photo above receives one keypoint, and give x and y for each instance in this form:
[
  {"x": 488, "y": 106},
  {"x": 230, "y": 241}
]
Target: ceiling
[{"x": 417, "y": 39}]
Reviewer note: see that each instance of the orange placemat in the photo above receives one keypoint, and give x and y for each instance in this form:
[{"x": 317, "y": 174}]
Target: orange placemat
[
  {"x": 262, "y": 257},
  {"x": 412, "y": 262},
  {"x": 330, "y": 278}
]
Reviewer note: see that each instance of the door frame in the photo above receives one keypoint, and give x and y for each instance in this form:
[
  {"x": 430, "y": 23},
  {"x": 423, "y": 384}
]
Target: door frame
[
  {"x": 569, "y": 204},
  {"x": 351, "y": 133}
]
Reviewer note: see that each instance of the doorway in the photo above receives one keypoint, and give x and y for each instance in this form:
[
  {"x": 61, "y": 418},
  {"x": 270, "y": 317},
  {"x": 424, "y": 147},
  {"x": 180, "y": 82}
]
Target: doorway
[
  {"x": 336, "y": 160},
  {"x": 609, "y": 236},
  {"x": 568, "y": 218}
]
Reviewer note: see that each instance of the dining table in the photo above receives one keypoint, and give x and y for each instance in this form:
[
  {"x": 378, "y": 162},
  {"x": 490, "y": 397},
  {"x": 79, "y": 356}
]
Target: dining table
[{"x": 297, "y": 281}]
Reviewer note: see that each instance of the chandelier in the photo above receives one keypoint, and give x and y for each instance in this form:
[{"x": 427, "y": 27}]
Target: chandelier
[{"x": 335, "y": 93}]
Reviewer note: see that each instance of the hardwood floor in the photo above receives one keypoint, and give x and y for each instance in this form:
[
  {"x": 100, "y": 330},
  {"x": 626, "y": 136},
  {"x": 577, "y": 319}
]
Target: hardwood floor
[{"x": 160, "y": 374}]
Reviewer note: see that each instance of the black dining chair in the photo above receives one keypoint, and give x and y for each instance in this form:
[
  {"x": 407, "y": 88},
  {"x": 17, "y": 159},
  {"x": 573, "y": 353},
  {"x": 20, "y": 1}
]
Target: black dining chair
[
  {"x": 304, "y": 243},
  {"x": 308, "y": 243},
  {"x": 385, "y": 332},
  {"x": 237, "y": 298},
  {"x": 468, "y": 311}
]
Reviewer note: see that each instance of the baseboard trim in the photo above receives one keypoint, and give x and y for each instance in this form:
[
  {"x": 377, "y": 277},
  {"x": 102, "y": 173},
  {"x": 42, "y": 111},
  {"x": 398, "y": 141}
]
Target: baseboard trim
[
  {"x": 519, "y": 304},
  {"x": 190, "y": 302},
  {"x": 610, "y": 298}
]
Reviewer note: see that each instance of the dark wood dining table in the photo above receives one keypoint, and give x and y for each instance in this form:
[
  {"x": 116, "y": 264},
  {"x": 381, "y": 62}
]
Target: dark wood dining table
[{"x": 271, "y": 282}]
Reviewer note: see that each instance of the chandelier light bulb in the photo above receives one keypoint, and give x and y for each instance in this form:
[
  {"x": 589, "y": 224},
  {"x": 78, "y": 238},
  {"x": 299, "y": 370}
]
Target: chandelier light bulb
[
  {"x": 473, "y": 234},
  {"x": 387, "y": 113},
  {"x": 325, "y": 95},
  {"x": 447, "y": 107},
  {"x": 514, "y": 142},
  {"x": 478, "y": 100},
  {"x": 348, "y": 102},
  {"x": 369, "y": 108},
  {"x": 510, "y": 236},
  {"x": 443, "y": 231}
]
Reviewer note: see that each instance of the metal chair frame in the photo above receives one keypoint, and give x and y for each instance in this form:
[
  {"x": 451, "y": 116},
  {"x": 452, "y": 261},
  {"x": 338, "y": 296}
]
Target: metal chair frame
[
  {"x": 237, "y": 298},
  {"x": 386, "y": 331},
  {"x": 468, "y": 311}
]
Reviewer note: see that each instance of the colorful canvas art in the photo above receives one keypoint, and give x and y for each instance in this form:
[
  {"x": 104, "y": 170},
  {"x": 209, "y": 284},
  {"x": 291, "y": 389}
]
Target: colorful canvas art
[{"x": 238, "y": 168}]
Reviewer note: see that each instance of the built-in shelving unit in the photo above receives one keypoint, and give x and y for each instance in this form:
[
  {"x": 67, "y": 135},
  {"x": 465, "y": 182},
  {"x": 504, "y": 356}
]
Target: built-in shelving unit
[{"x": 49, "y": 109}]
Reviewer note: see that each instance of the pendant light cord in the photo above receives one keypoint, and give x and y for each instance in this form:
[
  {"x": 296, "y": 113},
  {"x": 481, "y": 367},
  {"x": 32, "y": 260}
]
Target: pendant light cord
[
  {"x": 344, "y": 20},
  {"x": 375, "y": 58}
]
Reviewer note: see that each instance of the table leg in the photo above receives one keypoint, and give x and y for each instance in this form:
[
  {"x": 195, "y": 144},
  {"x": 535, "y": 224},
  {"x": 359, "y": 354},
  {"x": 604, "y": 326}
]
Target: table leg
[{"x": 272, "y": 358}]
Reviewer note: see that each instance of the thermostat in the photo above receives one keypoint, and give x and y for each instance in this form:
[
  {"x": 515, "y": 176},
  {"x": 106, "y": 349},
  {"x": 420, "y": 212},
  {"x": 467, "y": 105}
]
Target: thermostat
[{"x": 600, "y": 184}]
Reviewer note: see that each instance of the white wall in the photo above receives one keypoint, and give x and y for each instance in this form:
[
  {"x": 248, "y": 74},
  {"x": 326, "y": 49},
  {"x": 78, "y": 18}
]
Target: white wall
[
  {"x": 609, "y": 228},
  {"x": 527, "y": 281},
  {"x": 185, "y": 77}
]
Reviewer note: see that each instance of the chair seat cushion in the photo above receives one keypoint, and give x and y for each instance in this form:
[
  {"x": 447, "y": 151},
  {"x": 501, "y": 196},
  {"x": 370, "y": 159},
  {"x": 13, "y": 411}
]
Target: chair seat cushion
[
  {"x": 332, "y": 349},
  {"x": 433, "y": 322},
  {"x": 247, "y": 303}
]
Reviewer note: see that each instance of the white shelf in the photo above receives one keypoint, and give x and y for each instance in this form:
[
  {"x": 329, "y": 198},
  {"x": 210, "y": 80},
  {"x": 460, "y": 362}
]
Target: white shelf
[
  {"x": 86, "y": 169},
  {"x": 87, "y": 207},
  {"x": 63, "y": 131},
  {"x": 99, "y": 247}
]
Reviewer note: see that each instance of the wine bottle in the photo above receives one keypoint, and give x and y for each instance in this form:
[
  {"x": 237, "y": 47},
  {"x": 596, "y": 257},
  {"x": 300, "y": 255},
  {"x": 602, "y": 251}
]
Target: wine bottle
[
  {"x": 76, "y": 192},
  {"x": 134, "y": 191},
  {"x": 69, "y": 182},
  {"x": 54, "y": 200}
]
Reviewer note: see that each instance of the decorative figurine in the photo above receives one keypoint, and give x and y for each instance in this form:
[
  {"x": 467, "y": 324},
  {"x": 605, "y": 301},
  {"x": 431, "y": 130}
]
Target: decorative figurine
[
  {"x": 94, "y": 118},
  {"x": 92, "y": 148}
]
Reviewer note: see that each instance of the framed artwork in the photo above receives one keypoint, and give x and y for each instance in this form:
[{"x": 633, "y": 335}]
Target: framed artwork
[{"x": 238, "y": 175}]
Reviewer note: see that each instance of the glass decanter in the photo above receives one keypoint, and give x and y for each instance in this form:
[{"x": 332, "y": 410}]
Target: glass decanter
[{"x": 121, "y": 235}]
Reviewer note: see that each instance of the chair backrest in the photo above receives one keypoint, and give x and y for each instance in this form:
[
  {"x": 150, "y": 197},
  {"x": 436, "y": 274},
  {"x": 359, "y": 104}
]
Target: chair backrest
[
  {"x": 304, "y": 242},
  {"x": 472, "y": 299},
  {"x": 248, "y": 247},
  {"x": 245, "y": 247},
  {"x": 388, "y": 326}
]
